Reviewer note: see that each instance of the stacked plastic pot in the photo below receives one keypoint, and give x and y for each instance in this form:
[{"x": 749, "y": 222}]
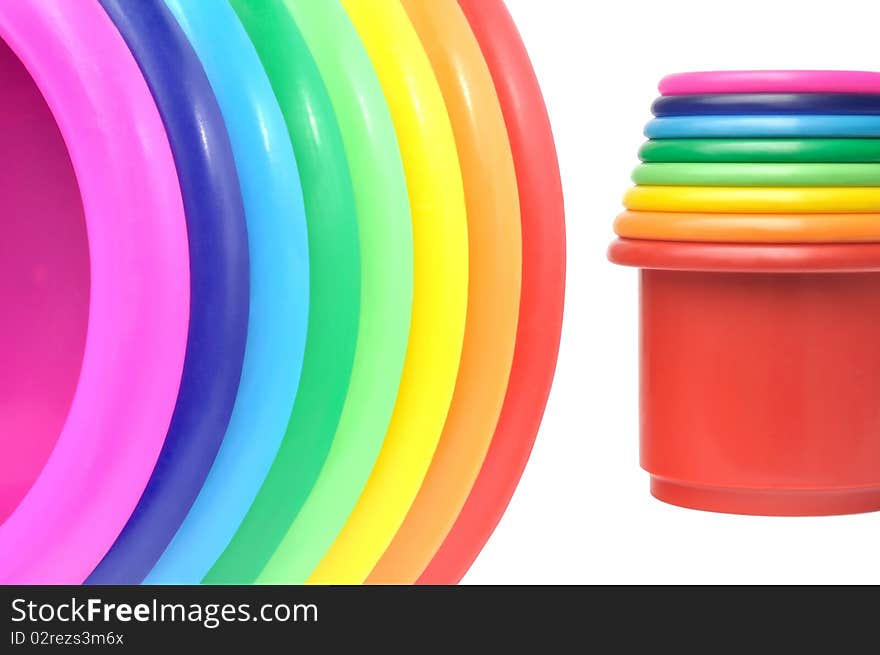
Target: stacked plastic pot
[
  {"x": 756, "y": 223},
  {"x": 284, "y": 286}
]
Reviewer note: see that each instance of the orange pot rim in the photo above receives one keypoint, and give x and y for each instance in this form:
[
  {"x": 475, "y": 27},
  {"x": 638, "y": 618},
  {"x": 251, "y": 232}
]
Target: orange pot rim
[{"x": 749, "y": 228}]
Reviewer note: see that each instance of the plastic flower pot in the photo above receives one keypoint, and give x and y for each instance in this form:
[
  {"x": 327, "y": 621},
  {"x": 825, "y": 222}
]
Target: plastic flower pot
[{"x": 760, "y": 375}]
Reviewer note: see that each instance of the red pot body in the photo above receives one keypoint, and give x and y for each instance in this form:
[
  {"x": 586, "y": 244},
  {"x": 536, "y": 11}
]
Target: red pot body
[{"x": 760, "y": 391}]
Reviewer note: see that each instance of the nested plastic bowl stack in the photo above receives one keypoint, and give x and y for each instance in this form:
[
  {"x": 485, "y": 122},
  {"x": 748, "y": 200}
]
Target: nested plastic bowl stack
[
  {"x": 285, "y": 286},
  {"x": 756, "y": 223}
]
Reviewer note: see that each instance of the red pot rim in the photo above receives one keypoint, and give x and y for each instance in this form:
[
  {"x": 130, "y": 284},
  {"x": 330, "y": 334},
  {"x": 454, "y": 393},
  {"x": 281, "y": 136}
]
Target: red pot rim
[{"x": 746, "y": 257}]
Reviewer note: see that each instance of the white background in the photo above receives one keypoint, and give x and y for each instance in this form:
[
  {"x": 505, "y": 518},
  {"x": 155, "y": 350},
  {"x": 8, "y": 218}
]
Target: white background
[{"x": 583, "y": 513}]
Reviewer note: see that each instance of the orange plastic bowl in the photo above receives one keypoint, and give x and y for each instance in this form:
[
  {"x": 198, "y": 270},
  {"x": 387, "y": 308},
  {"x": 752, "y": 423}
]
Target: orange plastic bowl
[{"x": 749, "y": 228}]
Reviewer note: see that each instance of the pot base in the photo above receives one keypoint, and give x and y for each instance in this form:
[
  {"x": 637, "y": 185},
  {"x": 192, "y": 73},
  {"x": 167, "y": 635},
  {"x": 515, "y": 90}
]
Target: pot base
[{"x": 762, "y": 502}]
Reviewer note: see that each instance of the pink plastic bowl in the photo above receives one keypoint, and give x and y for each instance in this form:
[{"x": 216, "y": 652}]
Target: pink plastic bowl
[{"x": 137, "y": 283}]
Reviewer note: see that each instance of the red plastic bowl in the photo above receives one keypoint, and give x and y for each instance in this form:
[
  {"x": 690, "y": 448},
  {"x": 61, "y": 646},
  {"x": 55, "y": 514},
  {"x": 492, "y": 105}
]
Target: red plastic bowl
[{"x": 760, "y": 375}]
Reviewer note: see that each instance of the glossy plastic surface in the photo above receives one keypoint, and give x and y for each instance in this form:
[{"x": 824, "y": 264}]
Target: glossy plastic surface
[
  {"x": 495, "y": 266},
  {"x": 771, "y": 81},
  {"x": 439, "y": 217},
  {"x": 759, "y": 126},
  {"x": 734, "y": 104},
  {"x": 138, "y": 298},
  {"x": 749, "y": 228},
  {"x": 335, "y": 277},
  {"x": 542, "y": 295},
  {"x": 760, "y": 175},
  {"x": 822, "y": 151},
  {"x": 747, "y": 257},
  {"x": 759, "y": 392},
  {"x": 219, "y": 272},
  {"x": 279, "y": 277},
  {"x": 786, "y": 200},
  {"x": 385, "y": 229}
]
